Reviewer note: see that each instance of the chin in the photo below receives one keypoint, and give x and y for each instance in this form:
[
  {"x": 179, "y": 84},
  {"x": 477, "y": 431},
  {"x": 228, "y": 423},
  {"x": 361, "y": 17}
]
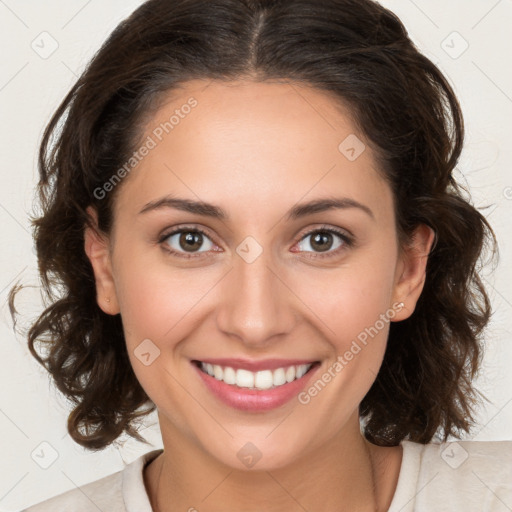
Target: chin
[{"x": 257, "y": 453}]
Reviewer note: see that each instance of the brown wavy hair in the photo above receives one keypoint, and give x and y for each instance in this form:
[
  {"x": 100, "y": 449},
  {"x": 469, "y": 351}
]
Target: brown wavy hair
[{"x": 358, "y": 52}]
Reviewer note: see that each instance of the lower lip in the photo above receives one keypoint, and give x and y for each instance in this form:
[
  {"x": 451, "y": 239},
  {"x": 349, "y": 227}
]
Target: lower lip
[{"x": 255, "y": 400}]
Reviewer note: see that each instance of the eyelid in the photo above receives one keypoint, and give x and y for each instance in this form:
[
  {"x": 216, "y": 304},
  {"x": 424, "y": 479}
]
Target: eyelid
[
  {"x": 178, "y": 229},
  {"x": 344, "y": 233}
]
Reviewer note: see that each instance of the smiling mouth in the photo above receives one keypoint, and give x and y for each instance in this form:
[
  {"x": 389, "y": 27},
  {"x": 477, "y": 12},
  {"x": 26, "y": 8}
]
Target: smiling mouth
[{"x": 256, "y": 380}]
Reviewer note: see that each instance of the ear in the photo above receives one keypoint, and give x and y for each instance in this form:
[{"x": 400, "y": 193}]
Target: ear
[
  {"x": 97, "y": 248},
  {"x": 411, "y": 271}
]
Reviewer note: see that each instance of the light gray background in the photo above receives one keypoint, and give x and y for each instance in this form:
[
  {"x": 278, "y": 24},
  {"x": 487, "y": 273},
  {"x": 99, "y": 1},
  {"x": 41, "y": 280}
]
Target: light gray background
[{"x": 32, "y": 84}]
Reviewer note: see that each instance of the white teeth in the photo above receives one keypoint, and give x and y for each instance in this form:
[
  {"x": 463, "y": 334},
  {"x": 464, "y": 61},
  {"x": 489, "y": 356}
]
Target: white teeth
[
  {"x": 290, "y": 374},
  {"x": 301, "y": 371},
  {"x": 229, "y": 375},
  {"x": 264, "y": 379},
  {"x": 218, "y": 372},
  {"x": 279, "y": 377},
  {"x": 244, "y": 379}
]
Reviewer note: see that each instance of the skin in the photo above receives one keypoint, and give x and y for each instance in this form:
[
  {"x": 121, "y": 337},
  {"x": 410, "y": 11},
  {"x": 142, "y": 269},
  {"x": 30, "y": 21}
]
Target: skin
[{"x": 256, "y": 150}]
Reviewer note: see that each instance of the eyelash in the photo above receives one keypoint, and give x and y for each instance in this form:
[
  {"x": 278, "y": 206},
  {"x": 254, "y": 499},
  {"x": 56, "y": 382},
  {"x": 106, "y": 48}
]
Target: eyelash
[{"x": 348, "y": 241}]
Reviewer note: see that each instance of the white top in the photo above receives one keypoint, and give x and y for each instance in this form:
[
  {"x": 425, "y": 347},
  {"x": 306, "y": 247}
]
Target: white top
[{"x": 462, "y": 476}]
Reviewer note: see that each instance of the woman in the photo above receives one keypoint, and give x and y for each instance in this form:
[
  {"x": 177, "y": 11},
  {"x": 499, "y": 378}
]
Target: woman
[{"x": 251, "y": 213}]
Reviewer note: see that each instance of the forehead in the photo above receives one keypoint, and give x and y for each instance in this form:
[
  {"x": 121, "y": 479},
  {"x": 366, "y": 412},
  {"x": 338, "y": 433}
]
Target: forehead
[{"x": 253, "y": 144}]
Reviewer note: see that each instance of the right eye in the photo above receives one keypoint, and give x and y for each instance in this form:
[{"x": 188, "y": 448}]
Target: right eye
[{"x": 185, "y": 242}]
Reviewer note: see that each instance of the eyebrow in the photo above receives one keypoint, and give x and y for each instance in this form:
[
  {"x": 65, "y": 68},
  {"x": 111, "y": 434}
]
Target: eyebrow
[{"x": 216, "y": 212}]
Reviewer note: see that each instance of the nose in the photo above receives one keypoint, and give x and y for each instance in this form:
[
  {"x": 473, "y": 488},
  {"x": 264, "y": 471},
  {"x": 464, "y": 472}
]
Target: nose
[{"x": 256, "y": 305}]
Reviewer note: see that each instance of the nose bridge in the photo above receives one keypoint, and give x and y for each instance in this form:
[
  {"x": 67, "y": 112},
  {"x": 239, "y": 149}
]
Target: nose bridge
[{"x": 254, "y": 303}]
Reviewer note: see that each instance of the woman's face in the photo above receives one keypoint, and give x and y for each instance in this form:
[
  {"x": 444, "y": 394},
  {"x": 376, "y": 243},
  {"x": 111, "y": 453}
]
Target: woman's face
[{"x": 270, "y": 279}]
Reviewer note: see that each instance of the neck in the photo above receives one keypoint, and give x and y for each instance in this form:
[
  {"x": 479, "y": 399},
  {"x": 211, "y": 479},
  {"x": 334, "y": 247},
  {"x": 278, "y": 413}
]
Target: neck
[{"x": 348, "y": 473}]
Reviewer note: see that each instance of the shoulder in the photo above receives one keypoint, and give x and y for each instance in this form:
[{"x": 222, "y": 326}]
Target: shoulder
[
  {"x": 114, "y": 493},
  {"x": 103, "y": 494},
  {"x": 459, "y": 475},
  {"x": 469, "y": 455}
]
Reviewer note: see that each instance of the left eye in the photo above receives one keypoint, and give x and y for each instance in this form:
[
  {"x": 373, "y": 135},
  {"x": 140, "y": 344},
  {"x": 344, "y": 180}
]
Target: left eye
[{"x": 323, "y": 241}]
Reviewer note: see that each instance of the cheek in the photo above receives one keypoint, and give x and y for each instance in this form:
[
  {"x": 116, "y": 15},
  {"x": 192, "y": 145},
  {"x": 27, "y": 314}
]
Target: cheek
[
  {"x": 354, "y": 306},
  {"x": 157, "y": 301},
  {"x": 159, "y": 309},
  {"x": 350, "y": 300}
]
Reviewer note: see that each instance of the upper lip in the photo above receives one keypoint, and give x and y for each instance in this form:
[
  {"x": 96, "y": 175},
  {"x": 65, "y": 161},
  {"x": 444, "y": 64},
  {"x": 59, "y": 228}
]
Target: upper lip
[{"x": 254, "y": 366}]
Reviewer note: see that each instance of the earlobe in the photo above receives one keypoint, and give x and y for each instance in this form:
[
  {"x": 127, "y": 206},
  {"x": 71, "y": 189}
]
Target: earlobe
[
  {"x": 411, "y": 270},
  {"x": 97, "y": 249}
]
